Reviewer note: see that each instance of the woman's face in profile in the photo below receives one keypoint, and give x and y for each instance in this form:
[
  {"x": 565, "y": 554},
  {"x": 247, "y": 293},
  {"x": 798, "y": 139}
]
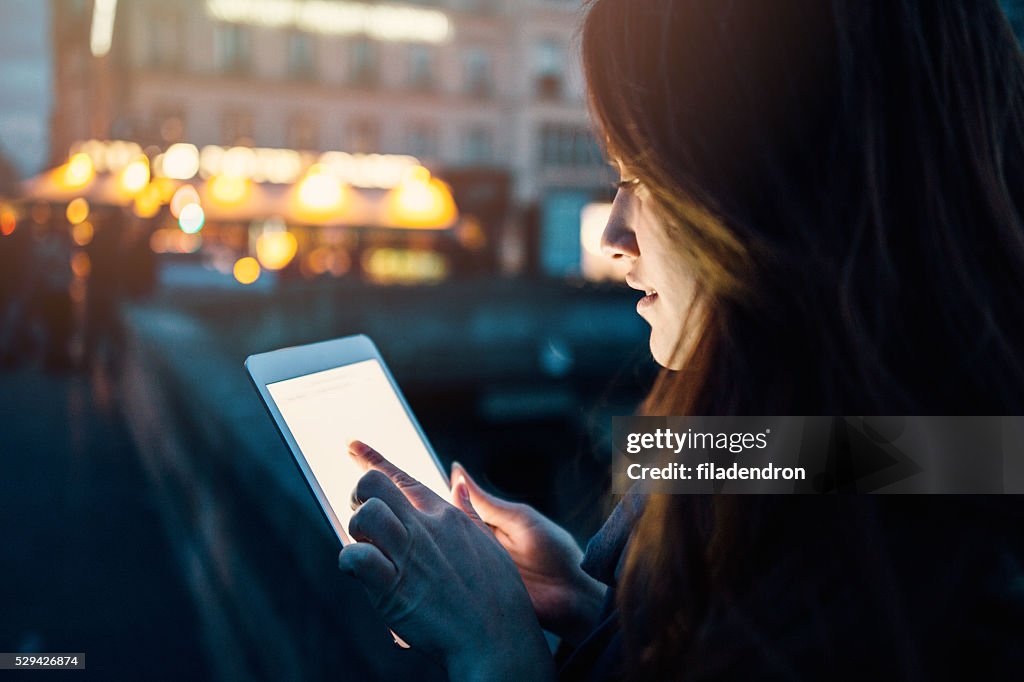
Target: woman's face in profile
[{"x": 658, "y": 269}]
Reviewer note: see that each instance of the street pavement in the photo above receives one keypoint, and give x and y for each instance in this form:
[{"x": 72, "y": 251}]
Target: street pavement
[{"x": 85, "y": 564}]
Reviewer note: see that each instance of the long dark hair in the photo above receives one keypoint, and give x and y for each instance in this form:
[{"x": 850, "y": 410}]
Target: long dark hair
[{"x": 845, "y": 179}]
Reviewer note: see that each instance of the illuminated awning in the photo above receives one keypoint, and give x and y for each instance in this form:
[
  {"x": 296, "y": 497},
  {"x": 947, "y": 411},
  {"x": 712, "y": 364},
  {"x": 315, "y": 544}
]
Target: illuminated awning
[{"x": 337, "y": 190}]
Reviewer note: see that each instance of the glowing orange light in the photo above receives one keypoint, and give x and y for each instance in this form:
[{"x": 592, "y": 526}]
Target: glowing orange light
[
  {"x": 275, "y": 250},
  {"x": 229, "y": 190},
  {"x": 77, "y": 211},
  {"x": 166, "y": 188},
  {"x": 420, "y": 202},
  {"x": 247, "y": 270},
  {"x": 323, "y": 260},
  {"x": 135, "y": 177},
  {"x": 8, "y": 223},
  {"x": 81, "y": 265},
  {"x": 147, "y": 202},
  {"x": 82, "y": 233},
  {"x": 320, "y": 194},
  {"x": 471, "y": 234},
  {"x": 77, "y": 172},
  {"x": 185, "y": 195}
]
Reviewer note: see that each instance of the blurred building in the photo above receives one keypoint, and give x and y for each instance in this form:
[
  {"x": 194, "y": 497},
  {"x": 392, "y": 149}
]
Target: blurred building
[{"x": 487, "y": 93}]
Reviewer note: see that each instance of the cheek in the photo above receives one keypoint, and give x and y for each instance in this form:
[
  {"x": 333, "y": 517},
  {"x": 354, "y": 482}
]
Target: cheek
[{"x": 664, "y": 266}]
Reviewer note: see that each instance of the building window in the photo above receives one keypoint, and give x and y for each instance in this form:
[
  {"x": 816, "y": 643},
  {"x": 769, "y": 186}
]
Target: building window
[
  {"x": 303, "y": 133},
  {"x": 478, "y": 146},
  {"x": 301, "y": 56},
  {"x": 421, "y": 67},
  {"x": 422, "y": 141},
  {"x": 165, "y": 39},
  {"x": 476, "y": 62},
  {"x": 567, "y": 146},
  {"x": 233, "y": 48},
  {"x": 363, "y": 136},
  {"x": 364, "y": 62},
  {"x": 238, "y": 128},
  {"x": 549, "y": 69}
]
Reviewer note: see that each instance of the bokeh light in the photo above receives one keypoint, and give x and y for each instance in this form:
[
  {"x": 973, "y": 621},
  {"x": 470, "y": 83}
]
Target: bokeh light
[
  {"x": 185, "y": 195},
  {"x": 81, "y": 266},
  {"x": 78, "y": 171},
  {"x": 180, "y": 162},
  {"x": 404, "y": 266},
  {"x": 147, "y": 202},
  {"x": 8, "y": 222},
  {"x": 77, "y": 211},
  {"x": 191, "y": 219},
  {"x": 324, "y": 260},
  {"x": 247, "y": 270},
  {"x": 276, "y": 249},
  {"x": 135, "y": 176},
  {"x": 420, "y": 202},
  {"x": 173, "y": 240},
  {"x": 82, "y": 233},
  {"x": 166, "y": 188},
  {"x": 229, "y": 190},
  {"x": 471, "y": 234},
  {"x": 320, "y": 193}
]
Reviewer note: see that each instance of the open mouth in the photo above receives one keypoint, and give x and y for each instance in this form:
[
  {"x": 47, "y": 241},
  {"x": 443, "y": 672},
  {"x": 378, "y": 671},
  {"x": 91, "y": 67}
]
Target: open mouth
[
  {"x": 648, "y": 300},
  {"x": 650, "y": 295}
]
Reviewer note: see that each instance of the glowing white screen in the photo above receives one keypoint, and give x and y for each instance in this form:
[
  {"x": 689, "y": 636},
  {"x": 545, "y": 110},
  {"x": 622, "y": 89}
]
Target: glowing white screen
[{"x": 327, "y": 410}]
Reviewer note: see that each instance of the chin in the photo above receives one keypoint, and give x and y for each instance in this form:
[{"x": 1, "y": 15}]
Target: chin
[{"x": 665, "y": 353}]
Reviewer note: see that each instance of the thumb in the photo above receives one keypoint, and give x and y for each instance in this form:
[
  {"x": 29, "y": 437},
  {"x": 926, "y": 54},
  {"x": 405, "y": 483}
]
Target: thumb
[
  {"x": 460, "y": 491},
  {"x": 493, "y": 510}
]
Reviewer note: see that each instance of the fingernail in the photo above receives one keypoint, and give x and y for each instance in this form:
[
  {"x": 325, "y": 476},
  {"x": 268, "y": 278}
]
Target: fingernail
[{"x": 463, "y": 490}]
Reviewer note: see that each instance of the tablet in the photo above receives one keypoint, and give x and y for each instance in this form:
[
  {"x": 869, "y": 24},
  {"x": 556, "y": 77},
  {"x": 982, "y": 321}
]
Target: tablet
[{"x": 323, "y": 396}]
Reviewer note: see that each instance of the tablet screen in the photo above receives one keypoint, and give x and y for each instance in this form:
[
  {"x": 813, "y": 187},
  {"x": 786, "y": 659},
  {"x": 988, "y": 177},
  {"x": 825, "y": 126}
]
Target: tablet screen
[{"x": 327, "y": 410}]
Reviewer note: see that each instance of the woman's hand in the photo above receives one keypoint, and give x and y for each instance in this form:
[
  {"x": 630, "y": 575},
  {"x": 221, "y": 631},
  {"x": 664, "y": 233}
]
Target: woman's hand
[
  {"x": 567, "y": 600},
  {"x": 440, "y": 579}
]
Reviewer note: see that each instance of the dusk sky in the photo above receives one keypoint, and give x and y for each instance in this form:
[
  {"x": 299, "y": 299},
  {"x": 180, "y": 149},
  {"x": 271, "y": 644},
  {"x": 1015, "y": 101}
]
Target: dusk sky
[{"x": 25, "y": 77}]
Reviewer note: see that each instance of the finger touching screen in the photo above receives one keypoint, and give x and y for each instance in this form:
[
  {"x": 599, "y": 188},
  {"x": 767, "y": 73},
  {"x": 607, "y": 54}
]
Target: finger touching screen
[{"x": 327, "y": 410}]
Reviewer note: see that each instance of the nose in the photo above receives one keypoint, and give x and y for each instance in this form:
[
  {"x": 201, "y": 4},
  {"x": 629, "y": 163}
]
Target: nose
[{"x": 619, "y": 239}]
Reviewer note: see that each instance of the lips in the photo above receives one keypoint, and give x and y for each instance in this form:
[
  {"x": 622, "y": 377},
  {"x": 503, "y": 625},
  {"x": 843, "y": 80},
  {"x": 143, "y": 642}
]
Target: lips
[
  {"x": 650, "y": 294},
  {"x": 647, "y": 301}
]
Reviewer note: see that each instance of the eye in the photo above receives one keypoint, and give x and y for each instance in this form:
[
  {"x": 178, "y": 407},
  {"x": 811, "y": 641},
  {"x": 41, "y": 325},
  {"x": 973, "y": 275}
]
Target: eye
[{"x": 630, "y": 183}]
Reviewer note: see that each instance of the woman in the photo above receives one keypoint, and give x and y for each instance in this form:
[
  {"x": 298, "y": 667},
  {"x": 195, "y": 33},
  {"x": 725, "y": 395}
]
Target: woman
[{"x": 822, "y": 203}]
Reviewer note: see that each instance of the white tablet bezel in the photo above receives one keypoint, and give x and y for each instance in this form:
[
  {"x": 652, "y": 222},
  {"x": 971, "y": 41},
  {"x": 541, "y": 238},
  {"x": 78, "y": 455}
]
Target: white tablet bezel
[{"x": 299, "y": 361}]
